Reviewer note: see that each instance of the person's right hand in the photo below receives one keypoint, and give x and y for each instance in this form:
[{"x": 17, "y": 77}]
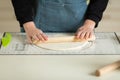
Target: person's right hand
[{"x": 33, "y": 33}]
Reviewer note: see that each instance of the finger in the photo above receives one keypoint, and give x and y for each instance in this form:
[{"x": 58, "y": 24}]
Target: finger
[
  {"x": 90, "y": 35},
  {"x": 40, "y": 37},
  {"x": 82, "y": 35},
  {"x": 78, "y": 34},
  {"x": 34, "y": 37},
  {"x": 87, "y": 35},
  {"x": 44, "y": 36},
  {"x": 79, "y": 31}
]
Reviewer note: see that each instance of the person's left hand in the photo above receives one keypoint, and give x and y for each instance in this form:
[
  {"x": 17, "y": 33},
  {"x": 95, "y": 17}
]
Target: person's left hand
[{"x": 86, "y": 31}]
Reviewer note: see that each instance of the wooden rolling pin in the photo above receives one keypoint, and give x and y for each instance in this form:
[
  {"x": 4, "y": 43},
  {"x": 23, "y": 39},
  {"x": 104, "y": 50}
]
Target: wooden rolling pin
[
  {"x": 108, "y": 68},
  {"x": 63, "y": 39}
]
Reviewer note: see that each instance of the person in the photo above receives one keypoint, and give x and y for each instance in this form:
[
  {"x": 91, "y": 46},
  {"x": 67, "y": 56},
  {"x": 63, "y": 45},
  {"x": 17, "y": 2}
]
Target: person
[{"x": 39, "y": 16}]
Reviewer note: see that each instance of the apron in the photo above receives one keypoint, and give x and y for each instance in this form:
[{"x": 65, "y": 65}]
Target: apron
[{"x": 60, "y": 15}]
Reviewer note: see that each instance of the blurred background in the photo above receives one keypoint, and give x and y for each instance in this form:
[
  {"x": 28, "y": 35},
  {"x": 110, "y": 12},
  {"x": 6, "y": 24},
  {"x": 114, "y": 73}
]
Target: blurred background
[{"x": 109, "y": 23}]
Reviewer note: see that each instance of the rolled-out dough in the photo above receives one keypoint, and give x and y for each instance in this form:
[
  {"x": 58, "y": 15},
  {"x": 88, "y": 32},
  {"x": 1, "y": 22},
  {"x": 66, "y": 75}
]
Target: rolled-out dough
[{"x": 66, "y": 45}]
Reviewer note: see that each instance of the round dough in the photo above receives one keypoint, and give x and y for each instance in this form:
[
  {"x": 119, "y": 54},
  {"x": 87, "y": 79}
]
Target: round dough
[{"x": 66, "y": 45}]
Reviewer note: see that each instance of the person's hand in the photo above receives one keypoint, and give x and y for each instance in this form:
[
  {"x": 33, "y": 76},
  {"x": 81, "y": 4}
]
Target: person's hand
[
  {"x": 86, "y": 31},
  {"x": 33, "y": 33}
]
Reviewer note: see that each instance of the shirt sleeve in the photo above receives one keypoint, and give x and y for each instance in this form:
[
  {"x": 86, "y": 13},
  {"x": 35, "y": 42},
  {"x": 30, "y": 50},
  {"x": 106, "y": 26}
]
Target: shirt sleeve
[
  {"x": 23, "y": 11},
  {"x": 95, "y": 10}
]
